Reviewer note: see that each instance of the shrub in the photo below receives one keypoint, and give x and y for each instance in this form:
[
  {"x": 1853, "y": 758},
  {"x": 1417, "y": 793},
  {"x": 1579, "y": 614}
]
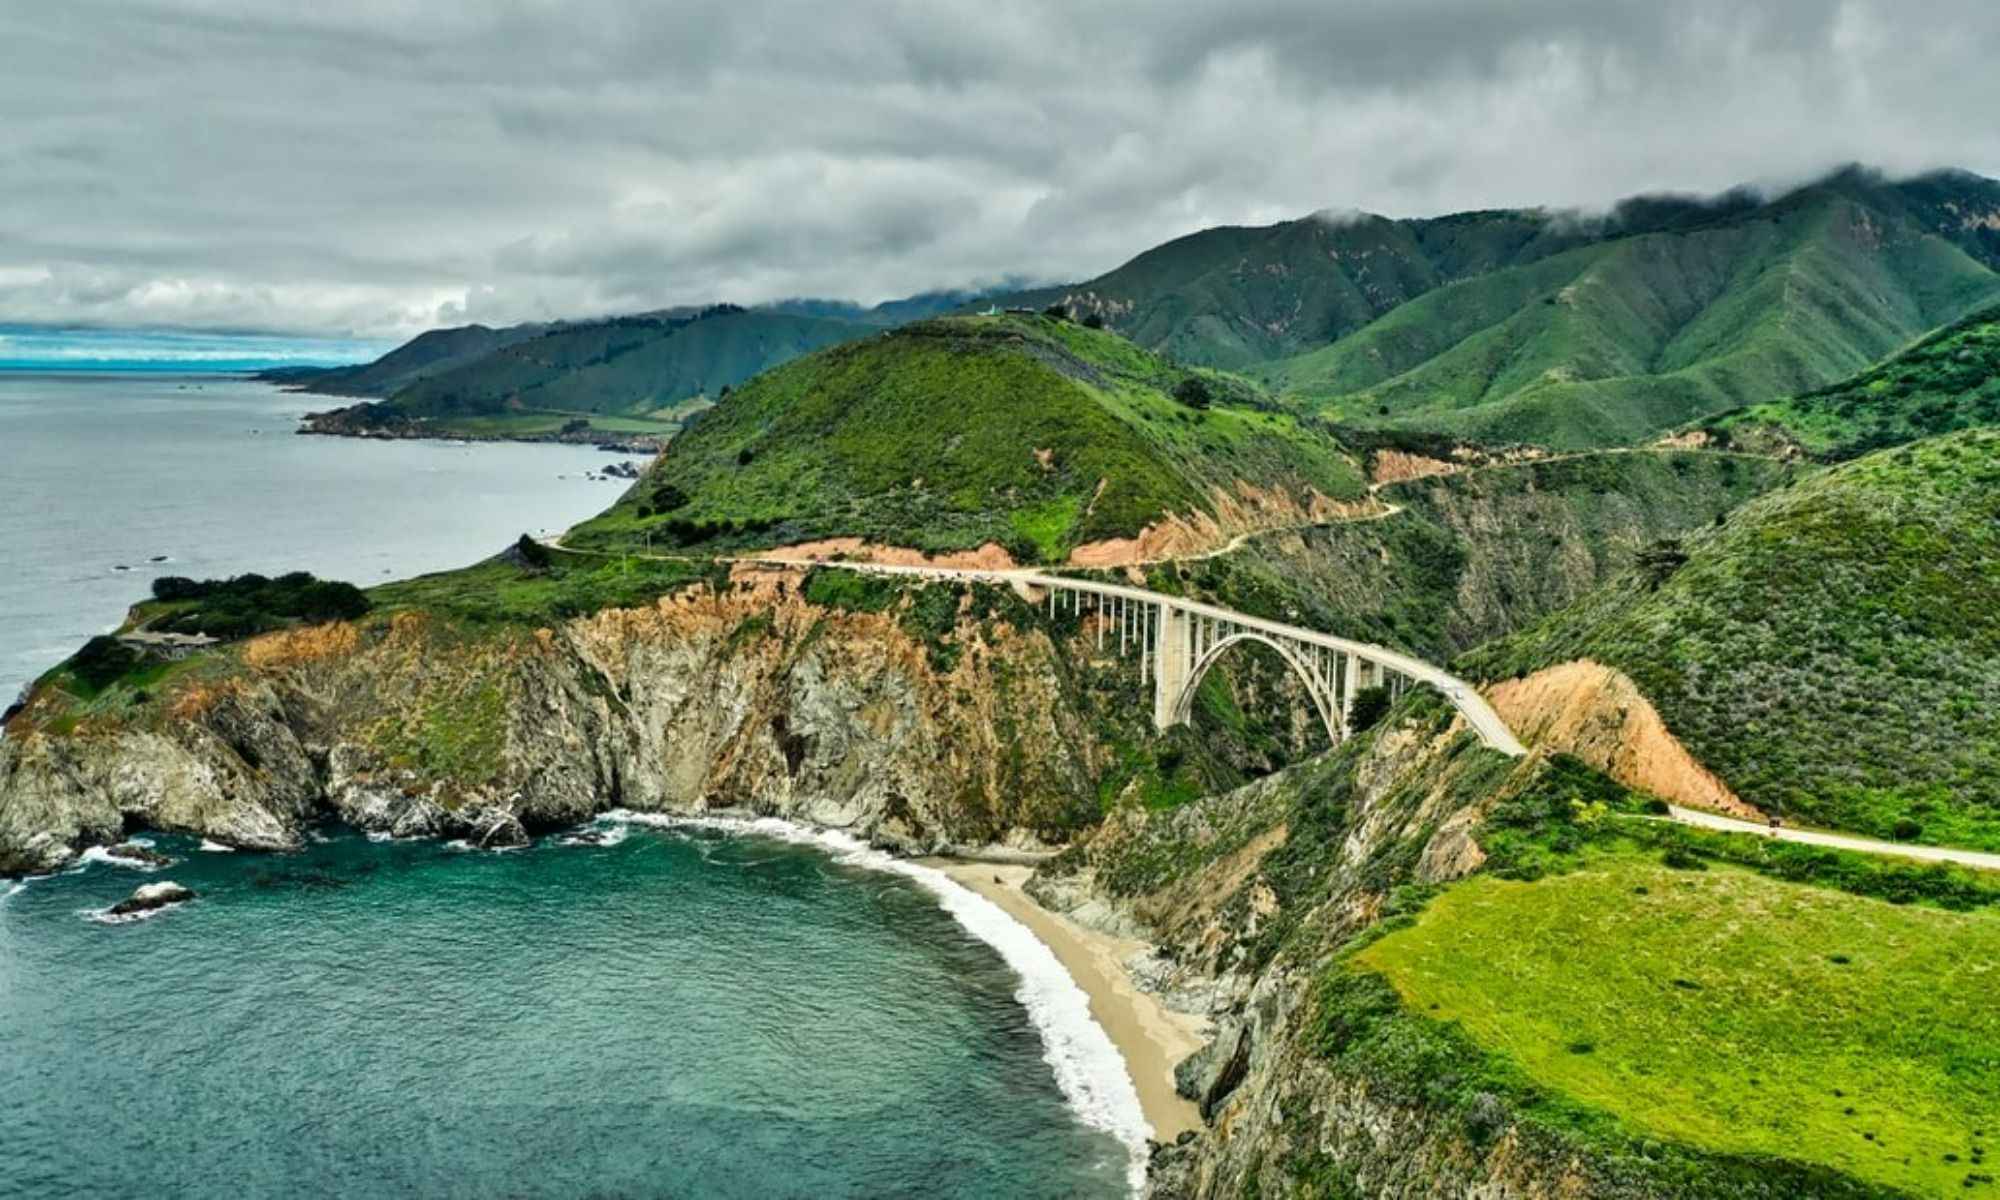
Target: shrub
[
  {"x": 532, "y": 553},
  {"x": 1371, "y": 704},
  {"x": 248, "y": 604},
  {"x": 1907, "y": 829},
  {"x": 1094, "y": 321},
  {"x": 1194, "y": 392},
  {"x": 101, "y": 661}
]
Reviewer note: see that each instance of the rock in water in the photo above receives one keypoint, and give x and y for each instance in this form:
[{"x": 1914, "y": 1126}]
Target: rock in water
[
  {"x": 133, "y": 852},
  {"x": 151, "y": 896},
  {"x": 498, "y": 829}
]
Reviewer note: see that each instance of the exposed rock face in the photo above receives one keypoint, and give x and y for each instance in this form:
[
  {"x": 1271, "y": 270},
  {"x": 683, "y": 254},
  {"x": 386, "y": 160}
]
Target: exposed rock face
[
  {"x": 150, "y": 897},
  {"x": 1599, "y": 715},
  {"x": 752, "y": 700}
]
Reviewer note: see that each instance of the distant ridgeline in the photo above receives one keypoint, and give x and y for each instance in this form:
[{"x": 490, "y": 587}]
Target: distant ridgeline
[
  {"x": 1497, "y": 327},
  {"x": 1545, "y": 327},
  {"x": 628, "y": 375}
]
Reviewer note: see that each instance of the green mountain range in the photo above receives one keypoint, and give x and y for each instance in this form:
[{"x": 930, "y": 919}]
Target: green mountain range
[
  {"x": 1498, "y": 326},
  {"x": 1535, "y": 326}
]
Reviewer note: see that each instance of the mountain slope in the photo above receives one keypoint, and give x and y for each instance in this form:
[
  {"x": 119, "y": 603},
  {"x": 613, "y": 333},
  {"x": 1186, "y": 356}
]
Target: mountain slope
[
  {"x": 1033, "y": 433},
  {"x": 631, "y": 366},
  {"x": 1615, "y": 342},
  {"x": 1949, "y": 380},
  {"x": 428, "y": 353},
  {"x": 1233, "y": 296},
  {"x": 1831, "y": 652}
]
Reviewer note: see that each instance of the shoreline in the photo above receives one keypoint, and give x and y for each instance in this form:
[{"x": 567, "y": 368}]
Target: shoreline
[{"x": 1149, "y": 1036}]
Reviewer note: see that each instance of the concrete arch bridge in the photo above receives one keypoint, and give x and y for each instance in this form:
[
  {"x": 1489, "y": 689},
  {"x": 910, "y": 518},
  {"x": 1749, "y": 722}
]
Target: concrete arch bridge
[{"x": 1175, "y": 641}]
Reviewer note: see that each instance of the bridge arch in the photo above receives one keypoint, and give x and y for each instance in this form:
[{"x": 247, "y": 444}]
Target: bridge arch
[{"x": 1321, "y": 691}]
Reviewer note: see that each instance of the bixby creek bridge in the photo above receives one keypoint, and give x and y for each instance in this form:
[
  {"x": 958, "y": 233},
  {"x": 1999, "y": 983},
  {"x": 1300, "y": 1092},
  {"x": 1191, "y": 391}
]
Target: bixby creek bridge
[{"x": 1176, "y": 641}]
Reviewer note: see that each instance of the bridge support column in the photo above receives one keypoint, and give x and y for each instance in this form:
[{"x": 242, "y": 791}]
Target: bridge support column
[
  {"x": 1350, "y": 683},
  {"x": 1173, "y": 662}
]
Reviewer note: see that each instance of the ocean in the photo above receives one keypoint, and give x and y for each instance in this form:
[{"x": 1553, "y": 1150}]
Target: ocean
[
  {"x": 671, "y": 1011},
  {"x": 100, "y": 472},
  {"x": 680, "y": 1011}
]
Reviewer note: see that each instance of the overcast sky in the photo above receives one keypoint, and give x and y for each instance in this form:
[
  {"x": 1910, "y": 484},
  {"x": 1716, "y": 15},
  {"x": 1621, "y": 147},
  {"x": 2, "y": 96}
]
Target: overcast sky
[{"x": 371, "y": 168}]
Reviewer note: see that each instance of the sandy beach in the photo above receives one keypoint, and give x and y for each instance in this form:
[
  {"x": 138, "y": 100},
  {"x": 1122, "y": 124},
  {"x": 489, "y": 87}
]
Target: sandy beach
[{"x": 1152, "y": 1037}]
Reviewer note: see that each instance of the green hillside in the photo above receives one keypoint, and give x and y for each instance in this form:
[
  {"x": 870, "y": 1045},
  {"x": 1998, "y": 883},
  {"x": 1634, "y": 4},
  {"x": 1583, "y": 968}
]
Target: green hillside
[
  {"x": 1035, "y": 433},
  {"x": 629, "y": 366},
  {"x": 1832, "y": 651},
  {"x": 1235, "y": 296},
  {"x": 1948, "y": 381},
  {"x": 1615, "y": 342}
]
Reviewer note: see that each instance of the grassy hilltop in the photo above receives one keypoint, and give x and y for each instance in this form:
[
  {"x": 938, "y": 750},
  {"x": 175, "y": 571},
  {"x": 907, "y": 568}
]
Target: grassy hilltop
[
  {"x": 1035, "y": 433},
  {"x": 1832, "y": 651}
]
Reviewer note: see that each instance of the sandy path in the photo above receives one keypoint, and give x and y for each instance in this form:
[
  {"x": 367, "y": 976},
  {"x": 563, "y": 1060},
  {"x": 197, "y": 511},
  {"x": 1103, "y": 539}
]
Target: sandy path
[
  {"x": 1152, "y": 1037},
  {"x": 1839, "y": 841}
]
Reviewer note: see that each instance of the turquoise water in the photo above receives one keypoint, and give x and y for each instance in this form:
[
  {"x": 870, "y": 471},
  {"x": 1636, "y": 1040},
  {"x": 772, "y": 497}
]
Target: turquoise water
[
  {"x": 681, "y": 1013},
  {"x": 99, "y": 472}
]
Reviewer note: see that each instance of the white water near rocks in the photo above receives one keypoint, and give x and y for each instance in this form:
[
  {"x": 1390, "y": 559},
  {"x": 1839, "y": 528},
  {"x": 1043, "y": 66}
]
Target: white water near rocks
[{"x": 1087, "y": 1066}]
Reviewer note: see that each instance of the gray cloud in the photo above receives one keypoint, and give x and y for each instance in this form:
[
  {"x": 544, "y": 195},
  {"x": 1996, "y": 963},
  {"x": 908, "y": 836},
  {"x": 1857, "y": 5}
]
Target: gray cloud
[{"x": 372, "y": 167}]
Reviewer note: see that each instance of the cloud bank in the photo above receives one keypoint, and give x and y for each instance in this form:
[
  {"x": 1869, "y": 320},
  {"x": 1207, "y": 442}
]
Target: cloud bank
[{"x": 372, "y": 167}]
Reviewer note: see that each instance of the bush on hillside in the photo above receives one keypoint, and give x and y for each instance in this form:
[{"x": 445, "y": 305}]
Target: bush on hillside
[
  {"x": 1371, "y": 704},
  {"x": 101, "y": 661},
  {"x": 1093, "y": 321},
  {"x": 250, "y": 604},
  {"x": 532, "y": 553},
  {"x": 1194, "y": 392}
]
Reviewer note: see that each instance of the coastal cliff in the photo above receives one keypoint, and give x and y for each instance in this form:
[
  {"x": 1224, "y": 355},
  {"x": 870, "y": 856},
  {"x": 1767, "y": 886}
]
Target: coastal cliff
[{"x": 750, "y": 699}]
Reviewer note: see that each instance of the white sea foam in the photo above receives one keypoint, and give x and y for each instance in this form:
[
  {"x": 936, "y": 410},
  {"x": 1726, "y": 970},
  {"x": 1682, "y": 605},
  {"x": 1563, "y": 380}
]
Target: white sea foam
[
  {"x": 601, "y": 833},
  {"x": 104, "y": 916},
  {"x": 102, "y": 854},
  {"x": 216, "y": 847},
  {"x": 14, "y": 889},
  {"x": 1088, "y": 1068}
]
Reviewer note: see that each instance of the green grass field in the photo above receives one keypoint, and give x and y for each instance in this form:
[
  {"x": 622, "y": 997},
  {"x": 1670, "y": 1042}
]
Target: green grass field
[{"x": 1730, "y": 1011}]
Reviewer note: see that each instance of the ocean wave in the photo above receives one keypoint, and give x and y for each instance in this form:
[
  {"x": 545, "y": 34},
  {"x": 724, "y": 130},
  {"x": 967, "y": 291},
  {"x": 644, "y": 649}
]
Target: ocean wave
[
  {"x": 597, "y": 833},
  {"x": 102, "y": 854},
  {"x": 104, "y": 916},
  {"x": 216, "y": 847},
  {"x": 1088, "y": 1068}
]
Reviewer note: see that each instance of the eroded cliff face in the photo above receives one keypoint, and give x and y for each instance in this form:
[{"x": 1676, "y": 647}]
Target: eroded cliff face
[
  {"x": 750, "y": 700},
  {"x": 1248, "y": 894}
]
